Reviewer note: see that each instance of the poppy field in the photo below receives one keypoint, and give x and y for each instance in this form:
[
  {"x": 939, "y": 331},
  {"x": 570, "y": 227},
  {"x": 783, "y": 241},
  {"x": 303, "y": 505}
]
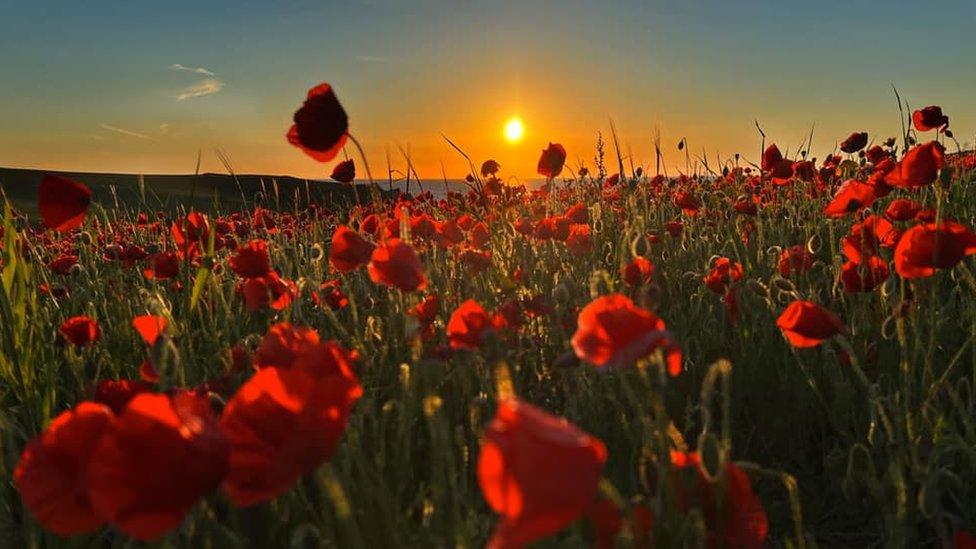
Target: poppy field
[{"x": 770, "y": 353}]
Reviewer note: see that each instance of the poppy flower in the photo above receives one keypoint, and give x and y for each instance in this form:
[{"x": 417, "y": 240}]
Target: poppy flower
[
  {"x": 902, "y": 210},
  {"x": 925, "y": 248},
  {"x": 852, "y": 196},
  {"x": 854, "y": 142},
  {"x": 285, "y": 422},
  {"x": 551, "y": 161},
  {"x": 489, "y": 167},
  {"x": 150, "y": 327},
  {"x": 778, "y": 168},
  {"x": 63, "y": 203},
  {"x": 349, "y": 250},
  {"x": 876, "y": 154},
  {"x": 807, "y": 324},
  {"x": 688, "y": 202},
  {"x": 930, "y": 118},
  {"x": 480, "y": 235},
  {"x": 476, "y": 260},
  {"x": 450, "y": 232},
  {"x": 865, "y": 276},
  {"x": 919, "y": 167},
  {"x": 578, "y": 241},
  {"x": 467, "y": 325},
  {"x": 270, "y": 291},
  {"x": 62, "y": 264},
  {"x": 190, "y": 234},
  {"x": 117, "y": 393},
  {"x": 426, "y": 311},
  {"x": 538, "y": 471},
  {"x": 282, "y": 344},
  {"x": 795, "y": 260},
  {"x": 962, "y": 539},
  {"x": 724, "y": 272},
  {"x": 865, "y": 238},
  {"x": 251, "y": 260},
  {"x": 163, "y": 266},
  {"x": 161, "y": 455},
  {"x": 321, "y": 124},
  {"x": 577, "y": 213},
  {"x": 395, "y": 263},
  {"x": 344, "y": 172},
  {"x": 612, "y": 332},
  {"x": 81, "y": 331},
  {"x": 638, "y": 272},
  {"x": 52, "y": 474},
  {"x": 330, "y": 295}
]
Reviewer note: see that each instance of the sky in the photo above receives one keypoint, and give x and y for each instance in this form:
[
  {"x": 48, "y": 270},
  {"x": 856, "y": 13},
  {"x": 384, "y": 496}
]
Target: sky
[{"x": 143, "y": 87}]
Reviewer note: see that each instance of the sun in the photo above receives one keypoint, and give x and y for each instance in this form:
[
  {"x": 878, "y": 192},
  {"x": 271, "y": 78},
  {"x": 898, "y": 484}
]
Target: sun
[{"x": 514, "y": 130}]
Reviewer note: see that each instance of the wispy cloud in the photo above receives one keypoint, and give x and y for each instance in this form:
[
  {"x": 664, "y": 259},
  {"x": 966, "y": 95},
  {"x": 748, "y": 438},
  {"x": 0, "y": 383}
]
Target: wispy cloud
[
  {"x": 197, "y": 70},
  {"x": 164, "y": 128},
  {"x": 125, "y": 132},
  {"x": 207, "y": 86}
]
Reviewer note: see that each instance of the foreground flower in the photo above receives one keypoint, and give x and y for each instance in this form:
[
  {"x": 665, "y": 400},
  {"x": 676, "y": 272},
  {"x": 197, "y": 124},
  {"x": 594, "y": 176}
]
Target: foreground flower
[
  {"x": 466, "y": 328},
  {"x": 63, "y": 203},
  {"x": 613, "y": 332},
  {"x": 320, "y": 124},
  {"x": 538, "y": 471},
  {"x": 81, "y": 331},
  {"x": 551, "y": 161},
  {"x": 395, "y": 263},
  {"x": 52, "y": 475},
  {"x": 807, "y": 324},
  {"x": 161, "y": 456},
  {"x": 344, "y": 172},
  {"x": 923, "y": 249},
  {"x": 919, "y": 167},
  {"x": 349, "y": 250},
  {"x": 287, "y": 420}
]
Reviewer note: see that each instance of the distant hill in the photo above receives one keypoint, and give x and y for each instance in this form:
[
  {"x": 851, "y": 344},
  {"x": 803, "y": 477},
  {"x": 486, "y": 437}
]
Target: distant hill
[{"x": 201, "y": 192}]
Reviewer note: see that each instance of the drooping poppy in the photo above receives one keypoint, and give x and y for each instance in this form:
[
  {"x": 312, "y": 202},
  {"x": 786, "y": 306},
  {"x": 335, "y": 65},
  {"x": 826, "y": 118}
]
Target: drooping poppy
[
  {"x": 807, "y": 324},
  {"x": 285, "y": 422},
  {"x": 538, "y": 471},
  {"x": 345, "y": 171},
  {"x": 52, "y": 474},
  {"x": 854, "y": 142},
  {"x": 923, "y": 249},
  {"x": 551, "y": 161},
  {"x": 467, "y": 325},
  {"x": 251, "y": 260},
  {"x": 349, "y": 250},
  {"x": 161, "y": 455},
  {"x": 81, "y": 331},
  {"x": 321, "y": 124},
  {"x": 395, "y": 263},
  {"x": 63, "y": 203},
  {"x": 919, "y": 167},
  {"x": 612, "y": 332}
]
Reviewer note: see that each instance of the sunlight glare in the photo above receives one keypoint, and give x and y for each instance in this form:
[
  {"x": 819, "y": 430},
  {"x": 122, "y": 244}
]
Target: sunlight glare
[{"x": 514, "y": 130}]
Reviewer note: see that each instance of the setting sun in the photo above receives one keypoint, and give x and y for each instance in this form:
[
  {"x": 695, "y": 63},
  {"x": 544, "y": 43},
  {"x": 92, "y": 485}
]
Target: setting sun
[{"x": 514, "y": 130}]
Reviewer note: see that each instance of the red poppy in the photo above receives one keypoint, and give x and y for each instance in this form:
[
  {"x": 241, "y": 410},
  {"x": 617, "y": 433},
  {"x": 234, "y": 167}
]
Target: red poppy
[
  {"x": 577, "y": 213},
  {"x": 778, "y": 168},
  {"x": 330, "y": 295},
  {"x": 638, "y": 272},
  {"x": 251, "y": 260},
  {"x": 467, "y": 326},
  {"x": 162, "y": 454},
  {"x": 62, "y": 264},
  {"x": 81, "y": 331},
  {"x": 395, "y": 263},
  {"x": 270, "y": 291},
  {"x": 795, "y": 260},
  {"x": 865, "y": 276},
  {"x": 578, "y": 241},
  {"x": 52, "y": 475},
  {"x": 164, "y": 266},
  {"x": 480, "y": 235},
  {"x": 688, "y": 202},
  {"x": 962, "y": 539},
  {"x": 190, "y": 234},
  {"x": 551, "y": 161},
  {"x": 930, "y": 118},
  {"x": 63, "y": 203},
  {"x": 855, "y": 142},
  {"x": 282, "y": 344},
  {"x": 285, "y": 422},
  {"x": 149, "y": 327},
  {"x": 612, "y": 332},
  {"x": 426, "y": 311},
  {"x": 489, "y": 167},
  {"x": 349, "y": 250},
  {"x": 476, "y": 260},
  {"x": 902, "y": 210},
  {"x": 538, "y": 471},
  {"x": 919, "y": 167},
  {"x": 865, "y": 238},
  {"x": 344, "y": 172},
  {"x": 724, "y": 272},
  {"x": 450, "y": 232},
  {"x": 117, "y": 393},
  {"x": 852, "y": 196},
  {"x": 321, "y": 124},
  {"x": 925, "y": 248},
  {"x": 807, "y": 324}
]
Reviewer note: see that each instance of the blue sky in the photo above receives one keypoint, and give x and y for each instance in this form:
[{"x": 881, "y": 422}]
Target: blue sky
[{"x": 91, "y": 85}]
